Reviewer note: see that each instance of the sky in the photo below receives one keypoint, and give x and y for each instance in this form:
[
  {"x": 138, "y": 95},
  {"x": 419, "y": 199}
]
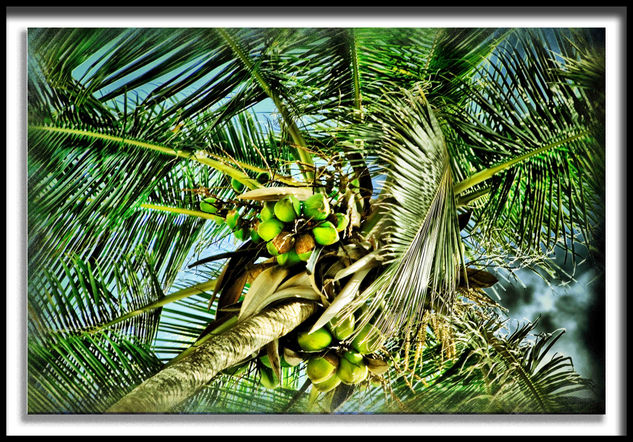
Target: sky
[{"x": 578, "y": 308}]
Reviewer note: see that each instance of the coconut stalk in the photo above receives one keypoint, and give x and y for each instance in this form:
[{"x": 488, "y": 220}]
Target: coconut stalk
[{"x": 175, "y": 383}]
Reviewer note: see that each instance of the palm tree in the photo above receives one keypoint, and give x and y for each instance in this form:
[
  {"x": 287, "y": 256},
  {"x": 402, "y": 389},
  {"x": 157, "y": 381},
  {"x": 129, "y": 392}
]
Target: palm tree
[{"x": 446, "y": 159}]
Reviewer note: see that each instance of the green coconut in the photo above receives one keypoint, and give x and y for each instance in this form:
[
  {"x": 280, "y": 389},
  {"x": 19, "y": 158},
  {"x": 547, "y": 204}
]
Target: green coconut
[
  {"x": 208, "y": 205},
  {"x": 316, "y": 207},
  {"x": 271, "y": 249},
  {"x": 267, "y": 212},
  {"x": 268, "y": 229},
  {"x": 237, "y": 185},
  {"x": 287, "y": 209},
  {"x": 266, "y": 361},
  {"x": 368, "y": 340},
  {"x": 315, "y": 341},
  {"x": 328, "y": 385},
  {"x": 325, "y": 233},
  {"x": 322, "y": 368},
  {"x": 288, "y": 259},
  {"x": 341, "y": 330},
  {"x": 305, "y": 256},
  {"x": 242, "y": 233},
  {"x": 283, "y": 242},
  {"x": 255, "y": 236},
  {"x": 352, "y": 369}
]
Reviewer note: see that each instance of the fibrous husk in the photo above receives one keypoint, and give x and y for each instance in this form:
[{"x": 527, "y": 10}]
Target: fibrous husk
[{"x": 283, "y": 242}]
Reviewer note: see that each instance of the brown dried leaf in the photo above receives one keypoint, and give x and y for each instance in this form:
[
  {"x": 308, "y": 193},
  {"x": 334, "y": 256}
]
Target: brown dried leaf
[
  {"x": 292, "y": 357},
  {"x": 478, "y": 279},
  {"x": 262, "y": 287}
]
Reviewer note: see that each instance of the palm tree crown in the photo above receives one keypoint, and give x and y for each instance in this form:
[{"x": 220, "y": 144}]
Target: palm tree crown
[{"x": 441, "y": 159}]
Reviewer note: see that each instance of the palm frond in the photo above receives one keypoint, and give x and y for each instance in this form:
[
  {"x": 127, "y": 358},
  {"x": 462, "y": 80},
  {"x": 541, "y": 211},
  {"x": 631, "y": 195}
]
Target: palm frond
[
  {"x": 182, "y": 323},
  {"x": 493, "y": 371},
  {"x": 82, "y": 298},
  {"x": 419, "y": 230},
  {"x": 435, "y": 59},
  {"x": 85, "y": 373},
  {"x": 154, "y": 64},
  {"x": 535, "y": 132}
]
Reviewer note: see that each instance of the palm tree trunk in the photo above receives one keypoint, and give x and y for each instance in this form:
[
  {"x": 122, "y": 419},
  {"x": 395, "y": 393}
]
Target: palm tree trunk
[{"x": 177, "y": 382}]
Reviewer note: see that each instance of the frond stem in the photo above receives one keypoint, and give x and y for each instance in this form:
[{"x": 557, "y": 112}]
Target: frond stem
[
  {"x": 486, "y": 174},
  {"x": 200, "y": 157},
  {"x": 176, "y": 296},
  {"x": 181, "y": 211}
]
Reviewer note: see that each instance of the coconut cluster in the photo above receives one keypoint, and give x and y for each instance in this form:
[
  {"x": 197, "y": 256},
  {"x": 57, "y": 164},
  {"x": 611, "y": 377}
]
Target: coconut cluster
[
  {"x": 331, "y": 360},
  {"x": 293, "y": 228},
  {"x": 290, "y": 228}
]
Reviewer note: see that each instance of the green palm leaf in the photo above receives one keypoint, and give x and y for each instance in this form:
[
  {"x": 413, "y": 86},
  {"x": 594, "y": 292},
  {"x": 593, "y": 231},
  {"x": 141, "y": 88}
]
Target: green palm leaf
[
  {"x": 419, "y": 230},
  {"x": 536, "y": 130},
  {"x": 82, "y": 298},
  {"x": 85, "y": 374}
]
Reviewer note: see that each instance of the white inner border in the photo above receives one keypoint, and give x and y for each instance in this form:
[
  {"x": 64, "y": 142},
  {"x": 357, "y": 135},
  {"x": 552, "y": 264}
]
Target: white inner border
[{"x": 17, "y": 423}]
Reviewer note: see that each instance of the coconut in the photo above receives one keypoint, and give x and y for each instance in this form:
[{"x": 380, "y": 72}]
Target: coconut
[
  {"x": 268, "y": 378},
  {"x": 263, "y": 177},
  {"x": 287, "y": 209},
  {"x": 283, "y": 242},
  {"x": 368, "y": 340},
  {"x": 305, "y": 256},
  {"x": 352, "y": 368},
  {"x": 288, "y": 259},
  {"x": 342, "y": 221},
  {"x": 265, "y": 359},
  {"x": 316, "y": 207},
  {"x": 267, "y": 212},
  {"x": 271, "y": 249},
  {"x": 341, "y": 330},
  {"x": 255, "y": 236},
  {"x": 231, "y": 218},
  {"x": 242, "y": 233},
  {"x": 208, "y": 205},
  {"x": 322, "y": 368},
  {"x": 327, "y": 385},
  {"x": 325, "y": 233},
  {"x": 267, "y": 230},
  {"x": 315, "y": 341}
]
